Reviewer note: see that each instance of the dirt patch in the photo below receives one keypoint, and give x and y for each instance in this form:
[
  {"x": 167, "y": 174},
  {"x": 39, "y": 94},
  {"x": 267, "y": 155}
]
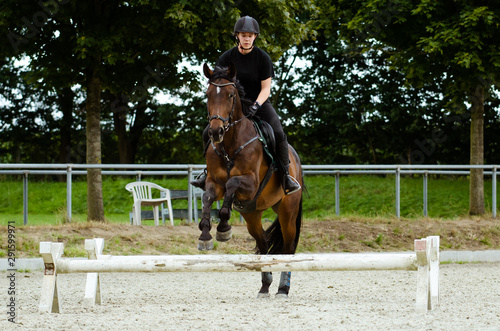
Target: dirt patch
[{"x": 340, "y": 235}]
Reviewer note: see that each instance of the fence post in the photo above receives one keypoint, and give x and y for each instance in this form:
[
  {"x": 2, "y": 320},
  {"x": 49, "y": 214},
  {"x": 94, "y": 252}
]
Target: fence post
[
  {"x": 25, "y": 197},
  {"x": 69, "y": 193},
  {"x": 426, "y": 179},
  {"x": 398, "y": 189},
  {"x": 337, "y": 193},
  {"x": 494, "y": 192},
  {"x": 190, "y": 195}
]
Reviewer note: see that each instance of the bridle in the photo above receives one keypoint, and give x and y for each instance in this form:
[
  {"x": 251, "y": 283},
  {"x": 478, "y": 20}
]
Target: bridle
[{"x": 227, "y": 124}]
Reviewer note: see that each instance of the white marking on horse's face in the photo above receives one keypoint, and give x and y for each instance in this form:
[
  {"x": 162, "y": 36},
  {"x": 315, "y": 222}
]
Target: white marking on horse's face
[{"x": 218, "y": 90}]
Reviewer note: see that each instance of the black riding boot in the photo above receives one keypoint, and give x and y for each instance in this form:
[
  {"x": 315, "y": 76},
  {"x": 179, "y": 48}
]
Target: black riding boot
[
  {"x": 290, "y": 184},
  {"x": 200, "y": 180}
]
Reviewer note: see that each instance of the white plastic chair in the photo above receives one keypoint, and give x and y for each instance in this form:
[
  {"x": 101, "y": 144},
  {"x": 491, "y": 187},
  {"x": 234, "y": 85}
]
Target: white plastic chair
[{"x": 143, "y": 197}]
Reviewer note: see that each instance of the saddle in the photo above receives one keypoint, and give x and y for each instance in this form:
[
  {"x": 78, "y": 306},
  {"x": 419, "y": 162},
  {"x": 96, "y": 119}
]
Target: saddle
[
  {"x": 265, "y": 131},
  {"x": 266, "y": 134}
]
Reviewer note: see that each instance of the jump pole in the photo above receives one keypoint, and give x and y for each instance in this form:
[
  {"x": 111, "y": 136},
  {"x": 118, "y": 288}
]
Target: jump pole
[{"x": 425, "y": 260}]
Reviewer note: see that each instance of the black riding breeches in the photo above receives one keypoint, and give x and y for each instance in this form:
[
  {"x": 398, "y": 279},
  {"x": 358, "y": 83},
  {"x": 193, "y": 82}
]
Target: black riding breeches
[{"x": 269, "y": 115}]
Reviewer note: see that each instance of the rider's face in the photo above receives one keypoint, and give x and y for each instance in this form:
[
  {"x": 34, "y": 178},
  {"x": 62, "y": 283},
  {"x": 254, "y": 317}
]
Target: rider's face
[{"x": 246, "y": 39}]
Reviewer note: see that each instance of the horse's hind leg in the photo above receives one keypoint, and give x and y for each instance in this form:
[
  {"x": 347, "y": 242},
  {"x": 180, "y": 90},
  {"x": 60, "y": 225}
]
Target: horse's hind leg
[
  {"x": 254, "y": 226},
  {"x": 284, "y": 286},
  {"x": 287, "y": 219},
  {"x": 267, "y": 279},
  {"x": 288, "y": 248}
]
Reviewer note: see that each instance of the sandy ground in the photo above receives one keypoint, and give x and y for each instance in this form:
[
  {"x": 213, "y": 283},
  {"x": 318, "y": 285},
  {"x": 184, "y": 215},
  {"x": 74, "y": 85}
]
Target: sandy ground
[{"x": 368, "y": 300}]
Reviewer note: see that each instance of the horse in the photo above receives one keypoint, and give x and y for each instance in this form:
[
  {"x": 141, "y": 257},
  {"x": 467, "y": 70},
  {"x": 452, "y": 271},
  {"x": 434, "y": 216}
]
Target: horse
[{"x": 237, "y": 169}]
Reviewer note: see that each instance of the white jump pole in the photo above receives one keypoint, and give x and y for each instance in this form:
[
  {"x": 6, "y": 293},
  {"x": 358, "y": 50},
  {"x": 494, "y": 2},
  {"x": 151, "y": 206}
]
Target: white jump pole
[
  {"x": 240, "y": 263},
  {"x": 420, "y": 260}
]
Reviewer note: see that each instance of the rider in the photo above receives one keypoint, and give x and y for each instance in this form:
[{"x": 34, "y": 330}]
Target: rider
[{"x": 254, "y": 70}]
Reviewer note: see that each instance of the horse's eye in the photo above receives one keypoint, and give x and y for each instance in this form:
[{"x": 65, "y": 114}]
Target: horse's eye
[{"x": 231, "y": 95}]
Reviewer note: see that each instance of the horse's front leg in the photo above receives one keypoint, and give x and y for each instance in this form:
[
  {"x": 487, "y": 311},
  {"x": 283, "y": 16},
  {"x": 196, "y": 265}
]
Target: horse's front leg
[
  {"x": 205, "y": 241},
  {"x": 224, "y": 232}
]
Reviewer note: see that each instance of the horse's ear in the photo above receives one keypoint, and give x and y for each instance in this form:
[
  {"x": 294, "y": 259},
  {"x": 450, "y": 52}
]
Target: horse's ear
[
  {"x": 207, "y": 71},
  {"x": 232, "y": 70}
]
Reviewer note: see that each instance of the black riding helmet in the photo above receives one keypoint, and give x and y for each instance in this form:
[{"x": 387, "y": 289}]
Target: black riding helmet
[{"x": 246, "y": 24}]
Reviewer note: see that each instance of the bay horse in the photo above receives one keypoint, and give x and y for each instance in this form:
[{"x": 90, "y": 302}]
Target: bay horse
[{"x": 236, "y": 167}]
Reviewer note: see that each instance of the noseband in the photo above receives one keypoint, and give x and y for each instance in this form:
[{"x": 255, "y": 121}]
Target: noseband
[{"x": 226, "y": 121}]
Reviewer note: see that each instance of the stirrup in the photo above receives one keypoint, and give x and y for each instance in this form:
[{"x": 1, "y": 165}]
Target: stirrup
[{"x": 294, "y": 188}]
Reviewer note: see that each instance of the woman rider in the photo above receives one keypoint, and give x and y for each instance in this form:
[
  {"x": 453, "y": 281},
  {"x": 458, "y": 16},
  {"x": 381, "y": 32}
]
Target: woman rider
[{"x": 254, "y": 70}]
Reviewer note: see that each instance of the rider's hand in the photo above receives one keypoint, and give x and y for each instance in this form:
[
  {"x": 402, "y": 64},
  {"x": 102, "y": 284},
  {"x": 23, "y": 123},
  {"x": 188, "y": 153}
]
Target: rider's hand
[{"x": 252, "y": 110}]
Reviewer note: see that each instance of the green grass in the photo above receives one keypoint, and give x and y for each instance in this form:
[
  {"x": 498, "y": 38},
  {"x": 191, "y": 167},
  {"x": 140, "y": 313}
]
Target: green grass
[
  {"x": 374, "y": 196},
  {"x": 360, "y": 195},
  {"x": 47, "y": 200}
]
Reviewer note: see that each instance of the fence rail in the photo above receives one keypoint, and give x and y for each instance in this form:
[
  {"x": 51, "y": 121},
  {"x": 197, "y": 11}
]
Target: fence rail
[{"x": 139, "y": 170}]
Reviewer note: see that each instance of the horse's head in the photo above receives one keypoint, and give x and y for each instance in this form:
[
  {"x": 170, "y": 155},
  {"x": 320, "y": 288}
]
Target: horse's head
[{"x": 222, "y": 99}]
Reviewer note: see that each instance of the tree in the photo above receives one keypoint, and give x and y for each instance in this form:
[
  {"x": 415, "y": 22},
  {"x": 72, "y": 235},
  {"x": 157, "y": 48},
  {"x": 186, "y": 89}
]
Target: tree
[{"x": 451, "y": 41}]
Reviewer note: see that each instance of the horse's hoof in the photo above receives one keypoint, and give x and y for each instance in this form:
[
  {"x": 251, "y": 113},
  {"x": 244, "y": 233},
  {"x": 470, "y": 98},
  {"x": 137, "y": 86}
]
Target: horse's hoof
[
  {"x": 263, "y": 295},
  {"x": 224, "y": 236},
  {"x": 281, "y": 296},
  {"x": 205, "y": 245}
]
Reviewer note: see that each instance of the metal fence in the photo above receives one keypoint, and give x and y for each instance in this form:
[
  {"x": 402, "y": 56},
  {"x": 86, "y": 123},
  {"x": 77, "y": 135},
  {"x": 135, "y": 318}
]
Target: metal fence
[{"x": 139, "y": 170}]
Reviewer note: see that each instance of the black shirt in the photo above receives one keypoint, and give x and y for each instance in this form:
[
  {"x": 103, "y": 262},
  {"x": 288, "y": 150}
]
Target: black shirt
[{"x": 251, "y": 69}]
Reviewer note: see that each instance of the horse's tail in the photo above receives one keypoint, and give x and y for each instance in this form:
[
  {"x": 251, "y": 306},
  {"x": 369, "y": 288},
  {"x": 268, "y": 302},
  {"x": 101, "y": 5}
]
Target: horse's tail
[{"x": 274, "y": 234}]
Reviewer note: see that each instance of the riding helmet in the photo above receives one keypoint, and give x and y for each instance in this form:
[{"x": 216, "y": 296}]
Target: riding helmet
[{"x": 246, "y": 24}]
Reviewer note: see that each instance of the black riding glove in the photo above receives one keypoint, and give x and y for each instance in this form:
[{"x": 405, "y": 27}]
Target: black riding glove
[{"x": 252, "y": 110}]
